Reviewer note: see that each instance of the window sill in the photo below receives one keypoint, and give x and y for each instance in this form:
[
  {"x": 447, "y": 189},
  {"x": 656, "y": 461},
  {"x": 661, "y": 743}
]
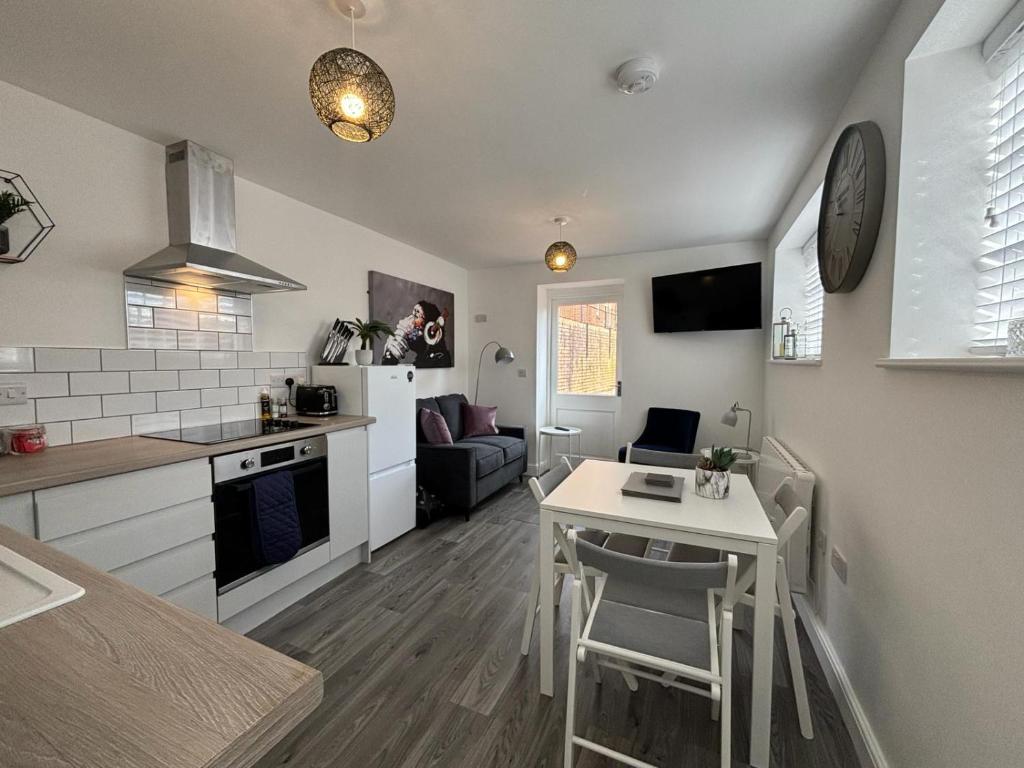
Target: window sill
[
  {"x": 969, "y": 364},
  {"x": 807, "y": 361}
]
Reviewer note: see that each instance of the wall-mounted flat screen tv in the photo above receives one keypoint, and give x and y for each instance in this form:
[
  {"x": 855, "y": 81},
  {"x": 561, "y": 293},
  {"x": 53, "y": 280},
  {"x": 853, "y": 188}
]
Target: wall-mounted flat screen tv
[{"x": 723, "y": 299}]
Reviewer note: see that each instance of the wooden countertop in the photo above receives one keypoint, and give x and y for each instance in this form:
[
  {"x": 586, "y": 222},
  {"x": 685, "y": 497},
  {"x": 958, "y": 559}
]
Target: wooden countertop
[
  {"x": 85, "y": 461},
  {"x": 122, "y": 678}
]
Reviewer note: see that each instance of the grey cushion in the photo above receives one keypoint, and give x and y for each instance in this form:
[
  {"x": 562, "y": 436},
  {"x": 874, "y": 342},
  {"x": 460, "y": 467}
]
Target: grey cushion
[
  {"x": 597, "y": 538},
  {"x": 512, "y": 447},
  {"x": 451, "y": 409},
  {"x": 487, "y": 457},
  {"x": 663, "y": 458},
  {"x": 659, "y": 634}
]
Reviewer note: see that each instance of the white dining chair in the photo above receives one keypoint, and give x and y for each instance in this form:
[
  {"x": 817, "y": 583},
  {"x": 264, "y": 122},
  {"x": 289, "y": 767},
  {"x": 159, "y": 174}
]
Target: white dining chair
[
  {"x": 794, "y": 516},
  {"x": 639, "y": 624},
  {"x": 619, "y": 542}
]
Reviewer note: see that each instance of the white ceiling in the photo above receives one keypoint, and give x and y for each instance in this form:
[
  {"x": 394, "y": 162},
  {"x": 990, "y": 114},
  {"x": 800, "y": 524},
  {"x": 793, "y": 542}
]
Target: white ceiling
[{"x": 507, "y": 113}]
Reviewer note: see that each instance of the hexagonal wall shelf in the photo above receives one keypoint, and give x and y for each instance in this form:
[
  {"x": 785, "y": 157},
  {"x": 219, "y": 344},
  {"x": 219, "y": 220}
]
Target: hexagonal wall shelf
[{"x": 22, "y": 233}]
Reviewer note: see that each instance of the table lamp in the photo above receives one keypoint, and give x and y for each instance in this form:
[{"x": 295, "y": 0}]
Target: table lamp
[{"x": 730, "y": 417}]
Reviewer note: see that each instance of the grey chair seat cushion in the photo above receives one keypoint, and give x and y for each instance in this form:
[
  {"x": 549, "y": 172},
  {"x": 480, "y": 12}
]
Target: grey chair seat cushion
[
  {"x": 512, "y": 447},
  {"x": 663, "y": 635},
  {"x": 597, "y": 538},
  {"x": 488, "y": 458}
]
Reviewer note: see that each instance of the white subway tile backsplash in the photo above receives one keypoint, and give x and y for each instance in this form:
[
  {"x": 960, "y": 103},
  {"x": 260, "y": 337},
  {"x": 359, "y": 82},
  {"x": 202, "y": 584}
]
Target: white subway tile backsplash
[
  {"x": 220, "y": 396},
  {"x": 262, "y": 375},
  {"x": 155, "y": 422},
  {"x": 199, "y": 379},
  {"x": 140, "y": 317},
  {"x": 16, "y": 359},
  {"x": 56, "y": 359},
  {"x": 197, "y": 340},
  {"x": 238, "y": 412},
  {"x": 127, "y": 359},
  {"x": 126, "y": 391},
  {"x": 39, "y": 384},
  {"x": 100, "y": 429},
  {"x": 243, "y": 324},
  {"x": 200, "y": 417},
  {"x": 235, "y": 341},
  {"x": 152, "y": 338},
  {"x": 68, "y": 408},
  {"x": 202, "y": 301},
  {"x": 253, "y": 359},
  {"x": 249, "y": 394},
  {"x": 125, "y": 405},
  {"x": 12, "y": 415},
  {"x": 178, "y": 400},
  {"x": 219, "y": 359},
  {"x": 149, "y": 295},
  {"x": 175, "y": 360},
  {"x": 222, "y": 323},
  {"x": 234, "y": 305},
  {"x": 99, "y": 383},
  {"x": 284, "y": 359},
  {"x": 153, "y": 381},
  {"x": 237, "y": 377},
  {"x": 179, "y": 319},
  {"x": 58, "y": 433}
]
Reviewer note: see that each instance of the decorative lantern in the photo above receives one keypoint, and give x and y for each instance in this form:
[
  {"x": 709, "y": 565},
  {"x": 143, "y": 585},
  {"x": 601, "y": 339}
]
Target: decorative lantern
[
  {"x": 560, "y": 255},
  {"x": 780, "y": 329}
]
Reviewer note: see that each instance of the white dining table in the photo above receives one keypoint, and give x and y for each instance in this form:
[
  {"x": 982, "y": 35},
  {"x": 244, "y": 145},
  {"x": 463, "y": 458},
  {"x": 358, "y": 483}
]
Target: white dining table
[{"x": 591, "y": 497}]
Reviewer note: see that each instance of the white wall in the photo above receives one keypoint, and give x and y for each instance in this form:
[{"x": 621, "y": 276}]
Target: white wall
[
  {"x": 104, "y": 187},
  {"x": 704, "y": 372},
  {"x": 920, "y": 488}
]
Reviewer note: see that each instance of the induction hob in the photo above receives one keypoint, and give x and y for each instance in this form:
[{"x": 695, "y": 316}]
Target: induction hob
[{"x": 229, "y": 430}]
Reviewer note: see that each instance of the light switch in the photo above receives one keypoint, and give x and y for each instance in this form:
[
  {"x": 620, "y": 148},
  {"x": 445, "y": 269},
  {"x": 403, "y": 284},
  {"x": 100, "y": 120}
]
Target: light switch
[{"x": 13, "y": 394}]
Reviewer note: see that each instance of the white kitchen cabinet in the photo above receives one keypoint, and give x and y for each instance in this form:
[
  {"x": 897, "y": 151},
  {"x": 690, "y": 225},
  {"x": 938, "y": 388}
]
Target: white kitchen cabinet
[
  {"x": 18, "y": 513},
  {"x": 347, "y": 474}
]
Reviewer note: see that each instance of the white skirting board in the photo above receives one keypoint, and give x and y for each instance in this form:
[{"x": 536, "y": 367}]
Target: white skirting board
[{"x": 869, "y": 751}]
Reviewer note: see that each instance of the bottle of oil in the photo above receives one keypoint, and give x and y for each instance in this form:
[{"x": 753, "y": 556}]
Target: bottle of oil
[{"x": 265, "y": 414}]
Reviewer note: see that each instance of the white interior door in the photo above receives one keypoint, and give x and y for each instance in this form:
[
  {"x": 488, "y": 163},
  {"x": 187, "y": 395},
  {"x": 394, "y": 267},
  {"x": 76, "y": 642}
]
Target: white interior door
[{"x": 584, "y": 376}]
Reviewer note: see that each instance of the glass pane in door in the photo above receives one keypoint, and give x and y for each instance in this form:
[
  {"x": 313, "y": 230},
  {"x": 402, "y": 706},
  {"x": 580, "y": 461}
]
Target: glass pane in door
[{"x": 588, "y": 348}]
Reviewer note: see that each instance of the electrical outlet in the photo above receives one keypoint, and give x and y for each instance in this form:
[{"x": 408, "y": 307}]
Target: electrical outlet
[
  {"x": 522, "y": 373},
  {"x": 839, "y": 564},
  {"x": 479, "y": 318},
  {"x": 13, "y": 394},
  {"x": 277, "y": 379}
]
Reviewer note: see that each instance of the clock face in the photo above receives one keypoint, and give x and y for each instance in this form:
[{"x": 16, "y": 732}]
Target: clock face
[{"x": 851, "y": 207}]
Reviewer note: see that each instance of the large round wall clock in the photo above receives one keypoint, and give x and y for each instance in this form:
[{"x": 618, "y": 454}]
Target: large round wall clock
[{"x": 851, "y": 207}]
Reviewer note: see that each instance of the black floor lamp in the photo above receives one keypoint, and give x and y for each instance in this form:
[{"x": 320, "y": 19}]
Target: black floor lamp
[{"x": 503, "y": 356}]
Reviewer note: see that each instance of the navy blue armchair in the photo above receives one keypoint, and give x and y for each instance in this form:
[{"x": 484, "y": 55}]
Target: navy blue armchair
[{"x": 667, "y": 429}]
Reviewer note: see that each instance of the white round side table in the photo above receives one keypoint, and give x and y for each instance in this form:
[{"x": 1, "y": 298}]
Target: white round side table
[{"x": 568, "y": 433}]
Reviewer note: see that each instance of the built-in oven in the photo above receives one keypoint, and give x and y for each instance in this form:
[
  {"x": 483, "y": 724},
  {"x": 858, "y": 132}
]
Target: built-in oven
[{"x": 234, "y": 504}]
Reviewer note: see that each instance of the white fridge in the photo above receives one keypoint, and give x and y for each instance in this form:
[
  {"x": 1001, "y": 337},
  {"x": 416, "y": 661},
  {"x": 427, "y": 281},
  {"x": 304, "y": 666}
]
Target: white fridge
[{"x": 388, "y": 393}]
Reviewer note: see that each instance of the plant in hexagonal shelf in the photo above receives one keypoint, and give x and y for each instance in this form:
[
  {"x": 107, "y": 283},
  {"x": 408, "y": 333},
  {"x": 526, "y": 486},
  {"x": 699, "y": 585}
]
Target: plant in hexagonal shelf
[{"x": 11, "y": 205}]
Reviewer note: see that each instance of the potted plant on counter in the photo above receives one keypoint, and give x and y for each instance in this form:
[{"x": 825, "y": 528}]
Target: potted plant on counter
[
  {"x": 368, "y": 331},
  {"x": 712, "y": 473},
  {"x": 10, "y": 205}
]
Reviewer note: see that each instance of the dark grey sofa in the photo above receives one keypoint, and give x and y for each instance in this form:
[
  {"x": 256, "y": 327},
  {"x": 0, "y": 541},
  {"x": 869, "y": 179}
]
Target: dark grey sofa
[{"x": 465, "y": 473}]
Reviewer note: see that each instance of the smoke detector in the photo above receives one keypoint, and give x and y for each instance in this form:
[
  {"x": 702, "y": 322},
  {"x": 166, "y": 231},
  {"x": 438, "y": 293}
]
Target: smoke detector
[{"x": 637, "y": 75}]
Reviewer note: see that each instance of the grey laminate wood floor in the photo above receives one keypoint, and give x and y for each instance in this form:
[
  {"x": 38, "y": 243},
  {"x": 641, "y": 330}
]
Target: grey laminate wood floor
[{"x": 420, "y": 656}]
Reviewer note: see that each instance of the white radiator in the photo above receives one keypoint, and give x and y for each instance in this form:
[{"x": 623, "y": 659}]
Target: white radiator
[{"x": 777, "y": 463}]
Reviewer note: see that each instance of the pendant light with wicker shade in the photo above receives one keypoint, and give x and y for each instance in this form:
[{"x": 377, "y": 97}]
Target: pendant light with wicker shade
[
  {"x": 560, "y": 256},
  {"x": 351, "y": 94}
]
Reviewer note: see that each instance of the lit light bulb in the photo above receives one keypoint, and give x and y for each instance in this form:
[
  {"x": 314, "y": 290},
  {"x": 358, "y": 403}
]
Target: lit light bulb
[
  {"x": 560, "y": 260},
  {"x": 352, "y": 106}
]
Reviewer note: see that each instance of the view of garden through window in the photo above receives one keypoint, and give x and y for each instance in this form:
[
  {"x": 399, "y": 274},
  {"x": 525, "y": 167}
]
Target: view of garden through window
[{"x": 587, "y": 348}]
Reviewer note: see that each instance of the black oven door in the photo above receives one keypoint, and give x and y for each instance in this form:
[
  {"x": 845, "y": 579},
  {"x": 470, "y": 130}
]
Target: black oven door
[{"x": 234, "y": 518}]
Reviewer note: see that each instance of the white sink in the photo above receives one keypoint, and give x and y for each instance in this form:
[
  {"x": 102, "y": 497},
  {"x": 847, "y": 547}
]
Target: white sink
[{"x": 27, "y": 589}]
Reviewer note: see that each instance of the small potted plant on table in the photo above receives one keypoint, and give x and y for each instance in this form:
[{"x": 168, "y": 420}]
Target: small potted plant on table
[
  {"x": 368, "y": 331},
  {"x": 10, "y": 205},
  {"x": 712, "y": 473}
]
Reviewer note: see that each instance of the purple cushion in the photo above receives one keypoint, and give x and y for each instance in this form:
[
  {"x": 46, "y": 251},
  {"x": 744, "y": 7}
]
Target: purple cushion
[
  {"x": 479, "y": 420},
  {"x": 434, "y": 427}
]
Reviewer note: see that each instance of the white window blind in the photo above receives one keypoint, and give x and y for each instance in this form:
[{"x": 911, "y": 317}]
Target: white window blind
[
  {"x": 814, "y": 301},
  {"x": 999, "y": 297}
]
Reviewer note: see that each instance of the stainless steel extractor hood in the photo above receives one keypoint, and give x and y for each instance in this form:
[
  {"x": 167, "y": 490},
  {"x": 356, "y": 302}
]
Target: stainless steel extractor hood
[{"x": 201, "y": 224}]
